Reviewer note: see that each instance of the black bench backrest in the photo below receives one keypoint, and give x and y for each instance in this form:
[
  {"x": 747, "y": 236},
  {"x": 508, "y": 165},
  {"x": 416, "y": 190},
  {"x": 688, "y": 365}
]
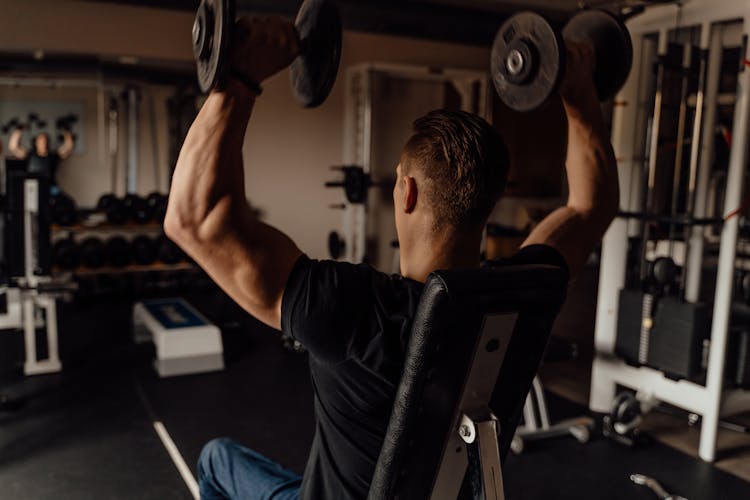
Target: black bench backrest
[{"x": 443, "y": 346}]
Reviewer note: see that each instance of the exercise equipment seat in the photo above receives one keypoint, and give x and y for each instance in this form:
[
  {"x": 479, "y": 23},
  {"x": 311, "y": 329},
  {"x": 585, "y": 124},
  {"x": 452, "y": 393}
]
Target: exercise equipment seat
[{"x": 476, "y": 343}]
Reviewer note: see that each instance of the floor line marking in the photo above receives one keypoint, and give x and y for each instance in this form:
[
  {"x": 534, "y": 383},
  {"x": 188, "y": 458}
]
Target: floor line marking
[
  {"x": 176, "y": 456},
  {"x": 172, "y": 450}
]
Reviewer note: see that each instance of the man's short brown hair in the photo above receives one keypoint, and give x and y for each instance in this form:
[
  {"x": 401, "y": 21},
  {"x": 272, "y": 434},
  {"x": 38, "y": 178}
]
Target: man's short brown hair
[{"x": 465, "y": 162}]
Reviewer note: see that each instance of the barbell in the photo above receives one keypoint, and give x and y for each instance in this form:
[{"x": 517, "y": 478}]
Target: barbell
[
  {"x": 313, "y": 71},
  {"x": 528, "y": 56}
]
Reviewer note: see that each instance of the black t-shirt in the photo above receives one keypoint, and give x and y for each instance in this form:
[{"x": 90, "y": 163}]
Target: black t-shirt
[
  {"x": 44, "y": 165},
  {"x": 355, "y": 322}
]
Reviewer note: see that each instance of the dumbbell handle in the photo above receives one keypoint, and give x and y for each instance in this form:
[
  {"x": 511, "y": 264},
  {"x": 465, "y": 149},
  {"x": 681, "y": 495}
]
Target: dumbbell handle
[
  {"x": 255, "y": 86},
  {"x": 301, "y": 44}
]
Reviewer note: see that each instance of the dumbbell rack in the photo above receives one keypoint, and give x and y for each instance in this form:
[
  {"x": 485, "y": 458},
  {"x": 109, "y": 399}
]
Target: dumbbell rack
[
  {"x": 59, "y": 232},
  {"x": 712, "y": 400}
]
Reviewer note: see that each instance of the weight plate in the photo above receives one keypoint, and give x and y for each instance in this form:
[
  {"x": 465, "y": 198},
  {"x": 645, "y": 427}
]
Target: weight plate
[
  {"x": 144, "y": 250},
  {"x": 526, "y": 61},
  {"x": 117, "y": 251},
  {"x": 92, "y": 252},
  {"x": 106, "y": 201},
  {"x": 612, "y": 45},
  {"x": 65, "y": 254},
  {"x": 664, "y": 271},
  {"x": 212, "y": 31},
  {"x": 168, "y": 252},
  {"x": 314, "y": 71},
  {"x": 157, "y": 202},
  {"x": 139, "y": 209},
  {"x": 336, "y": 245}
]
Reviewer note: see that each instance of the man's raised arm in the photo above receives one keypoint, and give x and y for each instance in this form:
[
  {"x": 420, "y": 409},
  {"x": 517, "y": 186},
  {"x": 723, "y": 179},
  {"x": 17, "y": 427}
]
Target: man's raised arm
[
  {"x": 14, "y": 144},
  {"x": 68, "y": 145},
  {"x": 208, "y": 214},
  {"x": 593, "y": 200}
]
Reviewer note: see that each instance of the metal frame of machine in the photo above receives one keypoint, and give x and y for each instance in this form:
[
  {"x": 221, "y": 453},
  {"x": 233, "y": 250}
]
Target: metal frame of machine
[
  {"x": 713, "y": 400},
  {"x": 33, "y": 296}
]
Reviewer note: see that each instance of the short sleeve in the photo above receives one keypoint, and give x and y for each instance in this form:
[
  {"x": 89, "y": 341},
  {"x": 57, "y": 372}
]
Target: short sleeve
[{"x": 325, "y": 304}]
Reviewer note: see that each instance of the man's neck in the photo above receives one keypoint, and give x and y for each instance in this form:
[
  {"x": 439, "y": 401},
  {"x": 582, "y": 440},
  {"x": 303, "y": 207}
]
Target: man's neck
[{"x": 441, "y": 251}]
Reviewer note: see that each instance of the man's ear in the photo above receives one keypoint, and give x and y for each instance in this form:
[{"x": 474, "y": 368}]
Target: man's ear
[{"x": 409, "y": 194}]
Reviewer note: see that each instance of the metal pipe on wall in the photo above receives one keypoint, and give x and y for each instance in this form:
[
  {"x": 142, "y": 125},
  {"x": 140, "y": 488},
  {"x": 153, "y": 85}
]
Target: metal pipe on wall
[
  {"x": 654, "y": 147},
  {"x": 154, "y": 140},
  {"x": 49, "y": 82},
  {"x": 132, "y": 98},
  {"x": 703, "y": 148},
  {"x": 633, "y": 191},
  {"x": 687, "y": 52},
  {"x": 113, "y": 122}
]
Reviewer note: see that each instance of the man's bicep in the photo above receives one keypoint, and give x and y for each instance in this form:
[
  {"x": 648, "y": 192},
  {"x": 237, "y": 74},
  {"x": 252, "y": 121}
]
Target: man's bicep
[{"x": 251, "y": 263}]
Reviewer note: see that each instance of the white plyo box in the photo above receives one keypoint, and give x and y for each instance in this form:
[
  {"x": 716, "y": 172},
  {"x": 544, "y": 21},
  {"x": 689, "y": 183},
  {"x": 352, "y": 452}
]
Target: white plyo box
[{"x": 186, "y": 342}]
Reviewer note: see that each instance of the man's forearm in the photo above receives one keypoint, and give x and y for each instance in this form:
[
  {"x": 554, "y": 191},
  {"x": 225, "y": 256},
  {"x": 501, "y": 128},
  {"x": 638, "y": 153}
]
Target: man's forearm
[
  {"x": 208, "y": 182},
  {"x": 66, "y": 149},
  {"x": 14, "y": 144},
  {"x": 590, "y": 162}
]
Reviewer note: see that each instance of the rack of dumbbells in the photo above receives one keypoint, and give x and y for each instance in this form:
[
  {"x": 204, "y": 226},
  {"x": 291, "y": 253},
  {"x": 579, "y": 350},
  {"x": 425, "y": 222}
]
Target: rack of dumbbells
[
  {"x": 117, "y": 247},
  {"x": 672, "y": 312}
]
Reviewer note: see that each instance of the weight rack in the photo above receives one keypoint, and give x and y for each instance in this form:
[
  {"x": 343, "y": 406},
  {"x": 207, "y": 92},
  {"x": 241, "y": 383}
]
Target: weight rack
[{"x": 719, "y": 20}]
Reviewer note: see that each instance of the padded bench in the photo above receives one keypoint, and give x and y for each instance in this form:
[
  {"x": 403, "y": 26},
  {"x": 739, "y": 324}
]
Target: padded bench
[{"x": 476, "y": 344}]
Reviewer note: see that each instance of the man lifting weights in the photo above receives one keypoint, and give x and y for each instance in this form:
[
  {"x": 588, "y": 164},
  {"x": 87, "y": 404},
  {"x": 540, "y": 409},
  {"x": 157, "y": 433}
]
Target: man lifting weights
[
  {"x": 354, "y": 320},
  {"x": 42, "y": 161}
]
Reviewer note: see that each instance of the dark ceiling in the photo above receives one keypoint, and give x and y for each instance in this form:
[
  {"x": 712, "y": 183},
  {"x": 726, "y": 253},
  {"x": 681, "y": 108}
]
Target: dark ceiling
[
  {"x": 471, "y": 21},
  {"x": 465, "y": 21}
]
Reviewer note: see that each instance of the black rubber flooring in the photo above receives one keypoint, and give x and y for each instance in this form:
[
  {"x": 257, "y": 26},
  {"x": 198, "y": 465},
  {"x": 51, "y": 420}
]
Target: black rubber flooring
[{"x": 86, "y": 434}]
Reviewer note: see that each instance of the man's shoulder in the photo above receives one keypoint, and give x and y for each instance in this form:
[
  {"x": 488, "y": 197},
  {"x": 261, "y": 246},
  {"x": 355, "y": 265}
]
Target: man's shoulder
[
  {"x": 341, "y": 273},
  {"x": 335, "y": 309},
  {"x": 532, "y": 254}
]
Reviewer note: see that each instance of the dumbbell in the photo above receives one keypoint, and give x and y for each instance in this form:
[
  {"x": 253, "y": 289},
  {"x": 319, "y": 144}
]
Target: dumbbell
[
  {"x": 743, "y": 287},
  {"x": 138, "y": 208},
  {"x": 116, "y": 211},
  {"x": 144, "y": 250},
  {"x": 528, "y": 56},
  {"x": 336, "y": 245},
  {"x": 168, "y": 252},
  {"x": 625, "y": 415},
  {"x": 63, "y": 209},
  {"x": 117, "y": 251},
  {"x": 313, "y": 72},
  {"x": 34, "y": 119},
  {"x": 65, "y": 254},
  {"x": 157, "y": 203},
  {"x": 92, "y": 252},
  {"x": 664, "y": 271}
]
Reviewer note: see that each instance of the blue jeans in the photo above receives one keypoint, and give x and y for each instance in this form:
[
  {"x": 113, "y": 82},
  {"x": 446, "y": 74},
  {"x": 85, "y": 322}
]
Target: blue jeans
[{"x": 228, "y": 470}]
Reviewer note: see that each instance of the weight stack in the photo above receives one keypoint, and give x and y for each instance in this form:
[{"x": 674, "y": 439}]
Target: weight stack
[
  {"x": 629, "y": 323},
  {"x": 14, "y": 222},
  {"x": 662, "y": 332},
  {"x": 13, "y": 240},
  {"x": 676, "y": 343}
]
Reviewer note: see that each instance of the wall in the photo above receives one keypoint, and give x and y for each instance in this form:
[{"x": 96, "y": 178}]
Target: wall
[
  {"x": 88, "y": 173},
  {"x": 288, "y": 150}
]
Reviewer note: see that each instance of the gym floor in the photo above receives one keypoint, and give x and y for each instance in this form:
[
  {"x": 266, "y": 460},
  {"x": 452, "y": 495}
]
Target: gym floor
[{"x": 88, "y": 433}]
